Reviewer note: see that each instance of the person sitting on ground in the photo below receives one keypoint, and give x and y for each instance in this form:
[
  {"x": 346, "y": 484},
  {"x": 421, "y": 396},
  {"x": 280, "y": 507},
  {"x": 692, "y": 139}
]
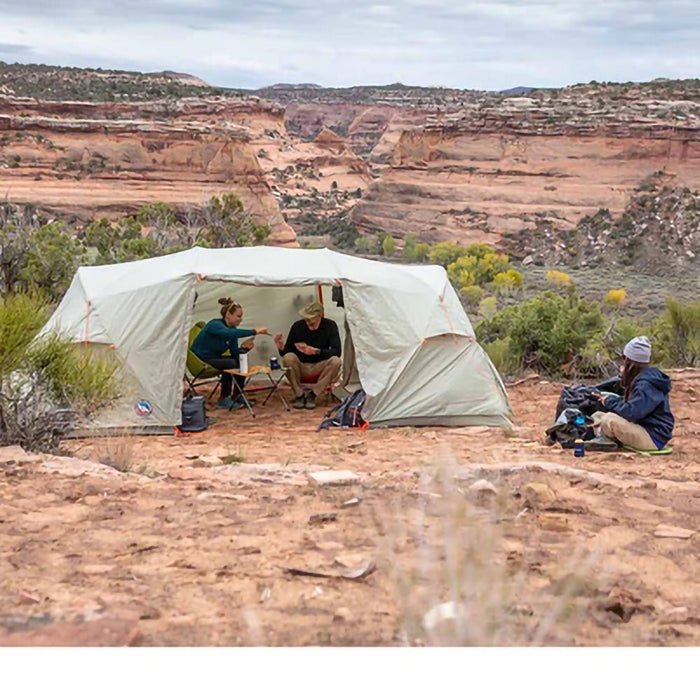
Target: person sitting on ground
[
  {"x": 312, "y": 350},
  {"x": 642, "y": 418},
  {"x": 220, "y": 335}
]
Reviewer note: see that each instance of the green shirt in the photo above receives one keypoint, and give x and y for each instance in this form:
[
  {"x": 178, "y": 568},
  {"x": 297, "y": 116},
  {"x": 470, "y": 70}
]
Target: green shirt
[{"x": 216, "y": 338}]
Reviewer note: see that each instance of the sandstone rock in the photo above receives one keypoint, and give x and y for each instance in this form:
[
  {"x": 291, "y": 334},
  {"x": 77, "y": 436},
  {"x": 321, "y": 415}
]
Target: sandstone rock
[
  {"x": 672, "y": 531},
  {"x": 539, "y": 493},
  {"x": 12, "y": 454},
  {"x": 331, "y": 477},
  {"x": 674, "y": 615},
  {"x": 350, "y": 561},
  {"x": 556, "y": 522},
  {"x": 483, "y": 486},
  {"x": 207, "y": 461},
  {"x": 342, "y": 614}
]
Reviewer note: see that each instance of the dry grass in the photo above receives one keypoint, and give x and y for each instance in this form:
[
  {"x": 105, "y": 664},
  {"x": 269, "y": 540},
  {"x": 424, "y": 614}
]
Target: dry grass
[{"x": 456, "y": 575}]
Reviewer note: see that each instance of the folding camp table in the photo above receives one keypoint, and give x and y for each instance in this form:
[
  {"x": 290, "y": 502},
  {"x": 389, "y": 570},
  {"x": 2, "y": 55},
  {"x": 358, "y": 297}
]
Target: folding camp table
[{"x": 275, "y": 377}]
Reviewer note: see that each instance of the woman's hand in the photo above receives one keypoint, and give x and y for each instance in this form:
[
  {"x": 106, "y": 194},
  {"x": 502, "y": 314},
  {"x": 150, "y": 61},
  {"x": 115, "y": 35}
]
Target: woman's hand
[
  {"x": 279, "y": 342},
  {"x": 262, "y": 331},
  {"x": 600, "y": 398}
]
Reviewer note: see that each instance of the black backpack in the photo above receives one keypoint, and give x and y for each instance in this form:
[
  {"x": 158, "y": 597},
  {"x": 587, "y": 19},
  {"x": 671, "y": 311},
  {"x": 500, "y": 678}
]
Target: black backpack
[
  {"x": 571, "y": 425},
  {"x": 194, "y": 415},
  {"x": 346, "y": 414}
]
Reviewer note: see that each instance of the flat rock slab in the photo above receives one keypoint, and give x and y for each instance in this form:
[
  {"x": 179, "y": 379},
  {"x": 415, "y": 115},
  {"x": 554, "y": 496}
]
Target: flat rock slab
[
  {"x": 333, "y": 477},
  {"x": 105, "y": 632},
  {"x": 672, "y": 531}
]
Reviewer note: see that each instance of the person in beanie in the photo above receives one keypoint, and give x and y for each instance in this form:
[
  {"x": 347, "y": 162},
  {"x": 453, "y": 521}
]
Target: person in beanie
[
  {"x": 642, "y": 418},
  {"x": 312, "y": 350},
  {"x": 219, "y": 336}
]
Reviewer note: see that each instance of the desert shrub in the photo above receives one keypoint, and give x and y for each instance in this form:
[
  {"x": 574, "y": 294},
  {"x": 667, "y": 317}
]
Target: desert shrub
[
  {"x": 414, "y": 251},
  {"x": 676, "y": 335},
  {"x": 46, "y": 384},
  {"x": 388, "y": 245},
  {"x": 471, "y": 295},
  {"x": 499, "y": 353},
  {"x": 445, "y": 253},
  {"x": 477, "y": 266},
  {"x": 51, "y": 259},
  {"x": 488, "y": 307},
  {"x": 615, "y": 297},
  {"x": 505, "y": 283},
  {"x": 228, "y": 225},
  {"x": 558, "y": 280},
  {"x": 545, "y": 333}
]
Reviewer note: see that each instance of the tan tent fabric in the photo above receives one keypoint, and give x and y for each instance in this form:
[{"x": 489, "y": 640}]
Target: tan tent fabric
[{"x": 416, "y": 356}]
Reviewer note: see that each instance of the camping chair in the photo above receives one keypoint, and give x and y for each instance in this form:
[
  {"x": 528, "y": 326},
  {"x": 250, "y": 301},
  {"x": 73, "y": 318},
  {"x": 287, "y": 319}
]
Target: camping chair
[
  {"x": 200, "y": 371},
  {"x": 307, "y": 382}
]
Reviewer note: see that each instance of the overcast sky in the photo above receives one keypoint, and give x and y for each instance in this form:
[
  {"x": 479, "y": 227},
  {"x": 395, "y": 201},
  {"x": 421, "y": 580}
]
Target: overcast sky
[{"x": 481, "y": 44}]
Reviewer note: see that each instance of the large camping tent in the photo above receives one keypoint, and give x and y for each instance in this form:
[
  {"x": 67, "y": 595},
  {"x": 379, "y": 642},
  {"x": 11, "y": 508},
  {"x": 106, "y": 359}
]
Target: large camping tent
[{"x": 412, "y": 345}]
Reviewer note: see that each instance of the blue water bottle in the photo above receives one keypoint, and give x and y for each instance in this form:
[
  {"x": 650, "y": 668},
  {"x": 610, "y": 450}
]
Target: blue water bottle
[{"x": 579, "y": 448}]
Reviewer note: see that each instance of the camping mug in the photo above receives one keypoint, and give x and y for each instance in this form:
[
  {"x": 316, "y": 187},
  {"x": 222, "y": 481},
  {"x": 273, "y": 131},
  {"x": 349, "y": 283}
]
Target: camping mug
[{"x": 274, "y": 363}]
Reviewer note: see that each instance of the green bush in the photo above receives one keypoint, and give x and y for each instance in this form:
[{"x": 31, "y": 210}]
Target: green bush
[
  {"x": 388, "y": 246},
  {"x": 676, "y": 335},
  {"x": 46, "y": 384},
  {"x": 545, "y": 333},
  {"x": 414, "y": 251}
]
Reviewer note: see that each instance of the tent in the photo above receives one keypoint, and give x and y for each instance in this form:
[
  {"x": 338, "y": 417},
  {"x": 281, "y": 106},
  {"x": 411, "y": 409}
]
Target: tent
[{"x": 407, "y": 340}]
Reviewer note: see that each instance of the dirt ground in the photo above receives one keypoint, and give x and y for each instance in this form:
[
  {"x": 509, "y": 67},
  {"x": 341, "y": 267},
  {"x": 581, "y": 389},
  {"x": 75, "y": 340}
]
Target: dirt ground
[{"x": 450, "y": 536}]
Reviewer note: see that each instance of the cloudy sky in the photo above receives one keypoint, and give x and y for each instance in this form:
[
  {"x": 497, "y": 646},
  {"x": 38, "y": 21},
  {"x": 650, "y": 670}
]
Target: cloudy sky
[{"x": 481, "y": 44}]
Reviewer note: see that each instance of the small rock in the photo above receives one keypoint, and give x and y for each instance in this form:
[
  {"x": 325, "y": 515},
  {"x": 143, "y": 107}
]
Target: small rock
[
  {"x": 538, "y": 492},
  {"x": 350, "y": 561},
  {"x": 672, "y": 531},
  {"x": 328, "y": 546},
  {"x": 351, "y": 502},
  {"x": 323, "y": 518},
  {"x": 674, "y": 615},
  {"x": 482, "y": 486},
  {"x": 528, "y": 260},
  {"x": 207, "y": 461},
  {"x": 265, "y": 594},
  {"x": 334, "y": 477},
  {"x": 342, "y": 615},
  {"x": 443, "y": 612},
  {"x": 556, "y": 522}
]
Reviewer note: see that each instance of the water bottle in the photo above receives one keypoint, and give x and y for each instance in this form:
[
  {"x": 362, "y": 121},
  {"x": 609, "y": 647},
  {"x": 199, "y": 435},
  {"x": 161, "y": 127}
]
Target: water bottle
[
  {"x": 243, "y": 362},
  {"x": 579, "y": 448}
]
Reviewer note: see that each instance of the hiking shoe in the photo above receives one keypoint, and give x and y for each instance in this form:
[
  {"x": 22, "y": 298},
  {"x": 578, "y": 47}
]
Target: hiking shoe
[
  {"x": 310, "y": 400},
  {"x": 299, "y": 401},
  {"x": 225, "y": 403},
  {"x": 602, "y": 443},
  {"x": 236, "y": 404}
]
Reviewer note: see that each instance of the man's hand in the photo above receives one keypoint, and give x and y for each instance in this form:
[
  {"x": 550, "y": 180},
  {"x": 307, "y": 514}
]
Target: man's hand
[
  {"x": 248, "y": 344},
  {"x": 306, "y": 349},
  {"x": 279, "y": 341},
  {"x": 262, "y": 331}
]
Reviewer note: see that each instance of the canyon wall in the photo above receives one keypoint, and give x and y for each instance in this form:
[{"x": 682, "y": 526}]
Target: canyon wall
[{"x": 90, "y": 159}]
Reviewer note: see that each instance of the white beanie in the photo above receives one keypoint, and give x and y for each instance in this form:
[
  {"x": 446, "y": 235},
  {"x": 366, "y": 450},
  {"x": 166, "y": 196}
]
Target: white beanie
[{"x": 638, "y": 350}]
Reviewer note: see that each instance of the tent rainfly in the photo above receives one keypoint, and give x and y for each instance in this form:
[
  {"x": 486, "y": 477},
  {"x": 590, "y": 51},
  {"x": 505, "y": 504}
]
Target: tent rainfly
[{"x": 407, "y": 340}]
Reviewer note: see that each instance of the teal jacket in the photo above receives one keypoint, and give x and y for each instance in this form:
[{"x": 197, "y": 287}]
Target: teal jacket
[{"x": 216, "y": 338}]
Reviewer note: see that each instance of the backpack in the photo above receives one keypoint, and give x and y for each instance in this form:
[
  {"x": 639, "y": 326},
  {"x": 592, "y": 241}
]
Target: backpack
[
  {"x": 571, "y": 425},
  {"x": 580, "y": 396},
  {"x": 347, "y": 414},
  {"x": 194, "y": 415}
]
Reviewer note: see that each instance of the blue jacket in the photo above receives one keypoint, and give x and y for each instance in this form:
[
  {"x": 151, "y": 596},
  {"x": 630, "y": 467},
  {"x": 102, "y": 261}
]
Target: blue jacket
[
  {"x": 216, "y": 338},
  {"x": 648, "y": 405}
]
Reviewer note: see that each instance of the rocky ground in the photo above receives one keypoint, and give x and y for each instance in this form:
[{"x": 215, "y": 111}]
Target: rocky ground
[{"x": 438, "y": 536}]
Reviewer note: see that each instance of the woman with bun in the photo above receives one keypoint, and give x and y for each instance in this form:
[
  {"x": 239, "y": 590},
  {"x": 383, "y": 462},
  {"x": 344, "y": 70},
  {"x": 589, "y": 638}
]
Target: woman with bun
[
  {"x": 220, "y": 335},
  {"x": 642, "y": 418}
]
